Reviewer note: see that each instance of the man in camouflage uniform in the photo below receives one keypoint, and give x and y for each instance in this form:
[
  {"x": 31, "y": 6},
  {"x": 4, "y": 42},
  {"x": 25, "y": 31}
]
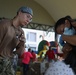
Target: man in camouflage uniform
[{"x": 12, "y": 37}]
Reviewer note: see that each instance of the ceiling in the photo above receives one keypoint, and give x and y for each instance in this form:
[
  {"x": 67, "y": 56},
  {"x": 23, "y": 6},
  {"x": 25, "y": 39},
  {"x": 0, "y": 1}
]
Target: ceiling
[{"x": 59, "y": 8}]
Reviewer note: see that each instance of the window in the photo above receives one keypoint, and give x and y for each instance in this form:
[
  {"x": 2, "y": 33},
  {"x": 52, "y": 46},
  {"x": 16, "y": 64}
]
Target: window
[{"x": 31, "y": 36}]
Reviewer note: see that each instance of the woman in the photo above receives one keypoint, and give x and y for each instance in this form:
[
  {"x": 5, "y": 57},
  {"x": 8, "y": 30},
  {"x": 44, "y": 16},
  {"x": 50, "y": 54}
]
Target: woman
[{"x": 66, "y": 28}]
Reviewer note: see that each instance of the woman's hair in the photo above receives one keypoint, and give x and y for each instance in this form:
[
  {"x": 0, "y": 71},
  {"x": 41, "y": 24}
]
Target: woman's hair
[
  {"x": 71, "y": 59},
  {"x": 62, "y": 21},
  {"x": 68, "y": 17},
  {"x": 58, "y": 23}
]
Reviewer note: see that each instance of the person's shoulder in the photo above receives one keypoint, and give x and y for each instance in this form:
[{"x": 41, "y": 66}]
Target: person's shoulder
[
  {"x": 52, "y": 50},
  {"x": 29, "y": 52},
  {"x": 5, "y": 22},
  {"x": 47, "y": 51}
]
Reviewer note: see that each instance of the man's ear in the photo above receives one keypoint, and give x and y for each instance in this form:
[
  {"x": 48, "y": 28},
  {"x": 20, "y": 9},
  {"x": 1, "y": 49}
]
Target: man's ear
[
  {"x": 67, "y": 23},
  {"x": 19, "y": 13}
]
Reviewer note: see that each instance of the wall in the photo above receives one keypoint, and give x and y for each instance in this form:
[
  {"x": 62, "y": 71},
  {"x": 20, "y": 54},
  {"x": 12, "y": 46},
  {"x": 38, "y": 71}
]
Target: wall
[{"x": 8, "y": 8}]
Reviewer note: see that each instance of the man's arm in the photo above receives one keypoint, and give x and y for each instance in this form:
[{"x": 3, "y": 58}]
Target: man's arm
[
  {"x": 20, "y": 48},
  {"x": 71, "y": 39},
  {"x": 21, "y": 44}
]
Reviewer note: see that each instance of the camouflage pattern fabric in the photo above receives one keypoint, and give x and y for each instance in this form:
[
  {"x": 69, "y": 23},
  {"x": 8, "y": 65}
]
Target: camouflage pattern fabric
[{"x": 6, "y": 67}]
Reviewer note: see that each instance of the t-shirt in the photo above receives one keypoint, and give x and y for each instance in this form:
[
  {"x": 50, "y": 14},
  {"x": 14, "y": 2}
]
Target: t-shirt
[
  {"x": 59, "y": 68},
  {"x": 34, "y": 56},
  {"x": 26, "y": 56},
  {"x": 50, "y": 54}
]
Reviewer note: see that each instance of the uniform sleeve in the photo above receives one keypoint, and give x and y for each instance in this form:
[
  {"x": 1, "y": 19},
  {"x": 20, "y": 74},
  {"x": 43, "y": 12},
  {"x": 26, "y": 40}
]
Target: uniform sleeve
[
  {"x": 2, "y": 32},
  {"x": 4, "y": 35},
  {"x": 21, "y": 46}
]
